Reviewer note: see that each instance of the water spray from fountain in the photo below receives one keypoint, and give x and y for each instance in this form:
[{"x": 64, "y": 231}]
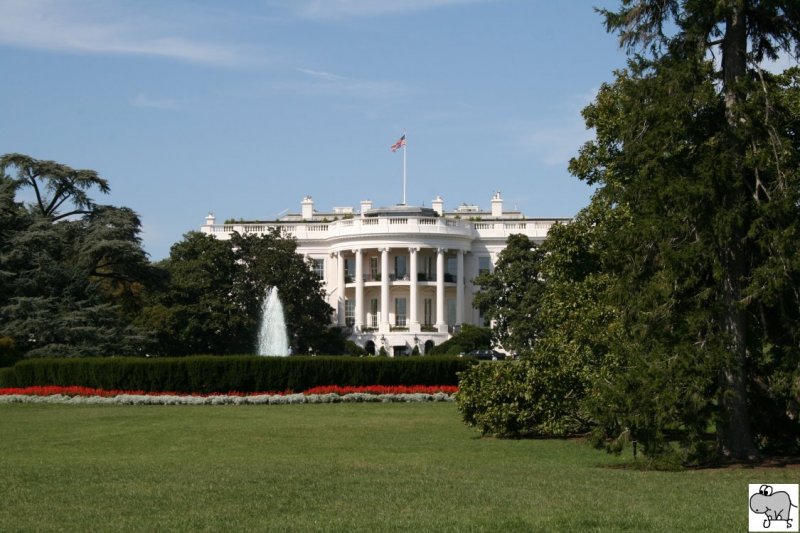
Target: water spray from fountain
[{"x": 272, "y": 337}]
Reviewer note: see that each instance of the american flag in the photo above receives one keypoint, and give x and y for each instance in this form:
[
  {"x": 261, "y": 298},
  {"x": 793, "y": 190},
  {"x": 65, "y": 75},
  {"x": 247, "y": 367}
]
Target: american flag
[{"x": 399, "y": 144}]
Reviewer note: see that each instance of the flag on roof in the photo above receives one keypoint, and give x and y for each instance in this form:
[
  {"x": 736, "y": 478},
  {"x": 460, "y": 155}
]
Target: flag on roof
[{"x": 399, "y": 144}]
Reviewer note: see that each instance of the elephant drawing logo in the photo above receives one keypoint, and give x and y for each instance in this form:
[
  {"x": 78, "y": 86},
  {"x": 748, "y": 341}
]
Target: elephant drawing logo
[{"x": 774, "y": 507}]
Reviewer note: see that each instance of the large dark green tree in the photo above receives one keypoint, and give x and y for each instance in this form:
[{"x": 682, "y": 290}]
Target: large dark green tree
[
  {"x": 194, "y": 310},
  {"x": 271, "y": 260},
  {"x": 510, "y": 295},
  {"x": 212, "y": 300},
  {"x": 71, "y": 271},
  {"x": 699, "y": 144}
]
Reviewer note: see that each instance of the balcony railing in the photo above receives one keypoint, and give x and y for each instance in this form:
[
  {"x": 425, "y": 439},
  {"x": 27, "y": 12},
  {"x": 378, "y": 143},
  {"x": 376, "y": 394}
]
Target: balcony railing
[
  {"x": 421, "y": 276},
  {"x": 314, "y": 230}
]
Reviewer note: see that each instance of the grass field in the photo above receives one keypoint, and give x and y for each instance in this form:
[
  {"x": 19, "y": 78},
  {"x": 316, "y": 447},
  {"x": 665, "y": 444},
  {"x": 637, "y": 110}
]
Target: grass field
[{"x": 333, "y": 467}]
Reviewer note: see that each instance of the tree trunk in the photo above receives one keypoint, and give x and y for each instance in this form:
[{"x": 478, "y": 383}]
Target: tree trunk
[{"x": 734, "y": 432}]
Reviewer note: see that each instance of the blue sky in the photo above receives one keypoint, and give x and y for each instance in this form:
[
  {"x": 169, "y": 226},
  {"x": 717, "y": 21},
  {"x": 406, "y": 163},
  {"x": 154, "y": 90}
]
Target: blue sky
[{"x": 242, "y": 108}]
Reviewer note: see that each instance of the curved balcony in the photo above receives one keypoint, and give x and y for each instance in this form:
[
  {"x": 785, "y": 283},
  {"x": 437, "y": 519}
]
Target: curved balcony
[
  {"x": 383, "y": 226},
  {"x": 394, "y": 280}
]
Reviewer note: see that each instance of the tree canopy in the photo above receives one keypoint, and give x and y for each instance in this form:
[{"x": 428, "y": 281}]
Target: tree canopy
[
  {"x": 510, "y": 295},
  {"x": 670, "y": 304},
  {"x": 212, "y": 300},
  {"x": 71, "y": 271}
]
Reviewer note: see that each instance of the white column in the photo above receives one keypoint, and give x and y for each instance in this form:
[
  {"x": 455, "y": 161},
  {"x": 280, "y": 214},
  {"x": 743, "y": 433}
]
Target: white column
[
  {"x": 441, "y": 324},
  {"x": 384, "y": 290},
  {"x": 412, "y": 293},
  {"x": 460, "y": 288},
  {"x": 359, "y": 290},
  {"x": 341, "y": 285}
]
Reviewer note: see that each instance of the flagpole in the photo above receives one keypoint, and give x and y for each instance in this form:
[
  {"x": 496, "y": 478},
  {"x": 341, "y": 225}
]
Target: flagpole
[{"x": 405, "y": 147}]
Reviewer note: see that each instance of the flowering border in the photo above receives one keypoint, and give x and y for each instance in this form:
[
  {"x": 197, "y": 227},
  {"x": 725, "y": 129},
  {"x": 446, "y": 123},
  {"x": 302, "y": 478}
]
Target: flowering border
[{"x": 323, "y": 394}]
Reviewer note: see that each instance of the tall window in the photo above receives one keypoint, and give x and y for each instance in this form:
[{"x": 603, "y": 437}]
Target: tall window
[
  {"x": 349, "y": 269},
  {"x": 450, "y": 269},
  {"x": 450, "y": 266},
  {"x": 400, "y": 311},
  {"x": 318, "y": 268},
  {"x": 400, "y": 266},
  {"x": 451, "y": 311},
  {"x": 484, "y": 264},
  {"x": 428, "y": 313},
  {"x": 430, "y": 269},
  {"x": 349, "y": 312},
  {"x": 373, "y": 268},
  {"x": 373, "y": 312}
]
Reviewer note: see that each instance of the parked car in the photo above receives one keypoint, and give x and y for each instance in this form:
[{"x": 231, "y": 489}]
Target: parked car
[{"x": 485, "y": 355}]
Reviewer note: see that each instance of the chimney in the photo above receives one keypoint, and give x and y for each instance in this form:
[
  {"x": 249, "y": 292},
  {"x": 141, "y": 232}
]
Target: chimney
[
  {"x": 366, "y": 205},
  {"x": 497, "y": 205},
  {"x": 307, "y": 208},
  {"x": 438, "y": 205}
]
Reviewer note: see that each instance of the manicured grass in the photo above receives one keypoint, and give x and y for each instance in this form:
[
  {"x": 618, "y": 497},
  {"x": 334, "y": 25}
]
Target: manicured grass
[{"x": 333, "y": 467}]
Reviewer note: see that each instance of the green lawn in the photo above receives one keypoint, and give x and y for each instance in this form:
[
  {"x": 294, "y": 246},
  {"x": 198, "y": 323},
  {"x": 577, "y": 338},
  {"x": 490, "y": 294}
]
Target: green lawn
[{"x": 332, "y": 467}]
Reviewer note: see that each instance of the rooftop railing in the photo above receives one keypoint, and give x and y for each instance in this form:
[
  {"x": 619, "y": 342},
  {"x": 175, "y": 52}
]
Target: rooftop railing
[{"x": 315, "y": 230}]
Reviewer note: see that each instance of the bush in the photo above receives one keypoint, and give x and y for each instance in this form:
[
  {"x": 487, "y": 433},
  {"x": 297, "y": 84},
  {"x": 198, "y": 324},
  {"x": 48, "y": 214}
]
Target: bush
[
  {"x": 206, "y": 374},
  {"x": 515, "y": 399},
  {"x": 468, "y": 339},
  {"x": 9, "y": 354}
]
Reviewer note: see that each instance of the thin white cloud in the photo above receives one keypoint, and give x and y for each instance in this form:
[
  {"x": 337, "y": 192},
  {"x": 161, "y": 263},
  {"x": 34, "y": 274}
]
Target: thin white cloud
[
  {"x": 324, "y": 9},
  {"x": 783, "y": 62},
  {"x": 327, "y": 83},
  {"x": 326, "y": 76},
  {"x": 105, "y": 28},
  {"x": 555, "y": 141},
  {"x": 143, "y": 101},
  {"x": 555, "y": 145}
]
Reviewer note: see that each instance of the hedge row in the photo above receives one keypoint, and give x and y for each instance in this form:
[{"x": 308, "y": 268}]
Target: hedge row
[{"x": 206, "y": 374}]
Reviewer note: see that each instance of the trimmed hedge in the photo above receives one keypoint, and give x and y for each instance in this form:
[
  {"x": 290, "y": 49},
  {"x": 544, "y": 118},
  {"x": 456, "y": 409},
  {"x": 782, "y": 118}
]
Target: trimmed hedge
[{"x": 207, "y": 374}]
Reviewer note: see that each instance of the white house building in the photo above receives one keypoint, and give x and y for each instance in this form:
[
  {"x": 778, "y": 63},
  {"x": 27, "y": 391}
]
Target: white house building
[{"x": 401, "y": 276}]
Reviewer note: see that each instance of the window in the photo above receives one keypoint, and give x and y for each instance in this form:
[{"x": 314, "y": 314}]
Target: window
[
  {"x": 349, "y": 269},
  {"x": 451, "y": 311},
  {"x": 430, "y": 269},
  {"x": 349, "y": 313},
  {"x": 373, "y": 268},
  {"x": 450, "y": 267},
  {"x": 428, "y": 313},
  {"x": 400, "y": 311},
  {"x": 318, "y": 268},
  {"x": 400, "y": 267},
  {"x": 373, "y": 312},
  {"x": 484, "y": 264}
]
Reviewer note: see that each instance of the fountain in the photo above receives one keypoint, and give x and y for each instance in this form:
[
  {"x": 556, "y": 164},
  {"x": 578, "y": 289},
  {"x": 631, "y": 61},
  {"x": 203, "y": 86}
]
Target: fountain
[{"x": 272, "y": 338}]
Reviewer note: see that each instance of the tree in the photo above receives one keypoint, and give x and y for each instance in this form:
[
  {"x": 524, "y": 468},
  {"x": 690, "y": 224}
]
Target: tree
[
  {"x": 56, "y": 185},
  {"x": 70, "y": 281},
  {"x": 195, "y": 310},
  {"x": 510, "y": 295},
  {"x": 704, "y": 157},
  {"x": 212, "y": 300},
  {"x": 271, "y": 260}
]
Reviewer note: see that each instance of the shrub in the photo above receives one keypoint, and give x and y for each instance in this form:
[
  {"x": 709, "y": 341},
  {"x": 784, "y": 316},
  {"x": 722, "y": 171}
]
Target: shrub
[
  {"x": 468, "y": 339},
  {"x": 516, "y": 399},
  {"x": 9, "y": 354},
  {"x": 206, "y": 374}
]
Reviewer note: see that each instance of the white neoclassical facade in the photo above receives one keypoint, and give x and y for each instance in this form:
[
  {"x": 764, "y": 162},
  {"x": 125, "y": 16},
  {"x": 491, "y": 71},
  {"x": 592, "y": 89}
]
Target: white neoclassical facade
[{"x": 401, "y": 276}]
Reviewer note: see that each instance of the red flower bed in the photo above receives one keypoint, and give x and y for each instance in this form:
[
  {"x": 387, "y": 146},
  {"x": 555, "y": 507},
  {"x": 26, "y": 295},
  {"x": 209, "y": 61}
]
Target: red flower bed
[{"x": 50, "y": 390}]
